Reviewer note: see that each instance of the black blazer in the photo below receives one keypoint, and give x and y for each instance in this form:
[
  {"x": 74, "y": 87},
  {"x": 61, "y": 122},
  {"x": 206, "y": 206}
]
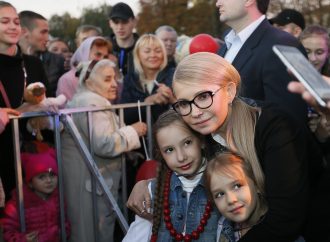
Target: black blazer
[{"x": 263, "y": 76}]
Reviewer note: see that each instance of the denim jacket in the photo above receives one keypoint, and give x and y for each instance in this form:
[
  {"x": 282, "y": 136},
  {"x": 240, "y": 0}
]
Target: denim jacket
[{"x": 189, "y": 213}]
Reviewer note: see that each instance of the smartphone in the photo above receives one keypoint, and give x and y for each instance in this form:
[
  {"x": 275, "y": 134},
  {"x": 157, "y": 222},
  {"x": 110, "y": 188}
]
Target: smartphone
[{"x": 305, "y": 72}]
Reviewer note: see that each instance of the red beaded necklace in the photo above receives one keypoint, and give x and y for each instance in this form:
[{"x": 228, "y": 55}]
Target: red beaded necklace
[{"x": 167, "y": 217}]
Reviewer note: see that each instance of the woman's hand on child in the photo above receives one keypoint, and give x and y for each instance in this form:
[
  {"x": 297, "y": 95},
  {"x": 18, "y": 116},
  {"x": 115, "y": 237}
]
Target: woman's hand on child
[
  {"x": 32, "y": 237},
  {"x": 140, "y": 128},
  {"x": 140, "y": 201}
]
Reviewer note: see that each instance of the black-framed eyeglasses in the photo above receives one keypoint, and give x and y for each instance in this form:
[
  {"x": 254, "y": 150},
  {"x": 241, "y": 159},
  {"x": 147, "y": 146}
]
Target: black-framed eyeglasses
[
  {"x": 202, "y": 100},
  {"x": 89, "y": 69}
]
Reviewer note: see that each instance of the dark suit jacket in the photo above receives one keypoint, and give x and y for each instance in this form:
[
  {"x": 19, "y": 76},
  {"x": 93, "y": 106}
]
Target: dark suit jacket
[{"x": 264, "y": 77}]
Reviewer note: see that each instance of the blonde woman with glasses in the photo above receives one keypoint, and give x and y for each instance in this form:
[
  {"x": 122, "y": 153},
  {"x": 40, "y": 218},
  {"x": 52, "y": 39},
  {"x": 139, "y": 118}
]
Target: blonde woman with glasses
[{"x": 206, "y": 87}]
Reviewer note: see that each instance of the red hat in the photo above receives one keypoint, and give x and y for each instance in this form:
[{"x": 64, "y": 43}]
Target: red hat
[{"x": 36, "y": 163}]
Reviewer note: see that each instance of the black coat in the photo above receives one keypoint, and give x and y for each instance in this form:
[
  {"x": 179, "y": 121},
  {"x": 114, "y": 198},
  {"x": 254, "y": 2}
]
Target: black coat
[
  {"x": 133, "y": 92},
  {"x": 12, "y": 78}
]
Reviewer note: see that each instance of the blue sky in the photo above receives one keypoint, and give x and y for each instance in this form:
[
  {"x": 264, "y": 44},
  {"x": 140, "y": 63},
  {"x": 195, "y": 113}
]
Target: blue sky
[{"x": 49, "y": 7}]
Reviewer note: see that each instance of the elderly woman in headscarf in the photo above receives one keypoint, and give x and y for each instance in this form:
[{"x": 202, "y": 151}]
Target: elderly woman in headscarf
[
  {"x": 97, "y": 86},
  {"x": 92, "y": 48}
]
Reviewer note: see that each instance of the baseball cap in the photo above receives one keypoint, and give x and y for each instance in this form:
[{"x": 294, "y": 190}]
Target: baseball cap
[
  {"x": 121, "y": 11},
  {"x": 289, "y": 16}
]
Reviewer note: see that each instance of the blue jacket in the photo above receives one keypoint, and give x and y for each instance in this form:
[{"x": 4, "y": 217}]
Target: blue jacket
[
  {"x": 133, "y": 91},
  {"x": 189, "y": 213}
]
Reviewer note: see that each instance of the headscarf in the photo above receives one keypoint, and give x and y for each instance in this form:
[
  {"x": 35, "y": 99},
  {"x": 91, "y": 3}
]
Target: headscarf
[{"x": 82, "y": 53}]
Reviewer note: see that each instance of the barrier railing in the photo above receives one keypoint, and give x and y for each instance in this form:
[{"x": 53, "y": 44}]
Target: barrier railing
[{"x": 86, "y": 150}]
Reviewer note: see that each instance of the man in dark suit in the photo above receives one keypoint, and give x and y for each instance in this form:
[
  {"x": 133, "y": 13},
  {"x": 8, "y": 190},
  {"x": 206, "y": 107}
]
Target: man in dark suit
[{"x": 249, "y": 48}]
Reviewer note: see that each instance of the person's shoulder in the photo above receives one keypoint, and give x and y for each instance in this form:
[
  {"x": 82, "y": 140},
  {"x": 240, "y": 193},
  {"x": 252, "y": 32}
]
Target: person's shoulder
[
  {"x": 271, "y": 110},
  {"x": 31, "y": 60},
  {"x": 272, "y": 115},
  {"x": 277, "y": 36},
  {"x": 85, "y": 97},
  {"x": 69, "y": 74},
  {"x": 53, "y": 57}
]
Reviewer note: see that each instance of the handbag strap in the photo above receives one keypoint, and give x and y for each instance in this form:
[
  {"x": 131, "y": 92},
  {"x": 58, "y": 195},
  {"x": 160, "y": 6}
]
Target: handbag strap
[{"x": 4, "y": 95}]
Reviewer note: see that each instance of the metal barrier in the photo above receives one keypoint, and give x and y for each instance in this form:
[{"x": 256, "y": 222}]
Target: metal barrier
[{"x": 64, "y": 115}]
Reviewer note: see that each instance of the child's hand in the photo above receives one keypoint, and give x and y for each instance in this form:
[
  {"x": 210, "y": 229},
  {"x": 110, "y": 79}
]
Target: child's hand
[{"x": 32, "y": 237}]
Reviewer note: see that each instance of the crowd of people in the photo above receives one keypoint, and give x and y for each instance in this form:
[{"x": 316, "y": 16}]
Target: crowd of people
[{"x": 242, "y": 149}]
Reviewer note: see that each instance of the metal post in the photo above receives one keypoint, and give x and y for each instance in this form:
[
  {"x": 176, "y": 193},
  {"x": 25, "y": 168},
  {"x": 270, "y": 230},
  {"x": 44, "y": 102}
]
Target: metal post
[
  {"x": 94, "y": 201},
  {"x": 123, "y": 169},
  {"x": 111, "y": 201},
  {"x": 57, "y": 137},
  {"x": 19, "y": 180}
]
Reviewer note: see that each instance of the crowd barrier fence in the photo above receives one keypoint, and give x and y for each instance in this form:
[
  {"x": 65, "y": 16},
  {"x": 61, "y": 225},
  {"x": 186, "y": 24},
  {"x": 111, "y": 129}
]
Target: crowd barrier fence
[{"x": 65, "y": 116}]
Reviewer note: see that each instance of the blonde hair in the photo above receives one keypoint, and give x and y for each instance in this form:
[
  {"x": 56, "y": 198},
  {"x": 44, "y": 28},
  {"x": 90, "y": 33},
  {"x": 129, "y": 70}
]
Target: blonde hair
[
  {"x": 209, "y": 68},
  {"x": 147, "y": 40},
  {"x": 231, "y": 164}
]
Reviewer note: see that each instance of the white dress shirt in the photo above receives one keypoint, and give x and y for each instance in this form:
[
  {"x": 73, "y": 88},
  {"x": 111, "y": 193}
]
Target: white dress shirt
[{"x": 234, "y": 41}]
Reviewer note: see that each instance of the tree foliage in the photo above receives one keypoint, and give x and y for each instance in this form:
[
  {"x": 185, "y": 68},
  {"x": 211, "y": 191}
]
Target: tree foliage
[
  {"x": 314, "y": 11},
  {"x": 65, "y": 26},
  {"x": 191, "y": 17},
  {"x": 98, "y": 17},
  {"x": 201, "y": 17},
  {"x": 188, "y": 17}
]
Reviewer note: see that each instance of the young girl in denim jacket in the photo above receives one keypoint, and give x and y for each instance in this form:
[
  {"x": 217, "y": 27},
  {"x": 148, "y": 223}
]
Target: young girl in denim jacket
[
  {"x": 181, "y": 209},
  {"x": 237, "y": 192}
]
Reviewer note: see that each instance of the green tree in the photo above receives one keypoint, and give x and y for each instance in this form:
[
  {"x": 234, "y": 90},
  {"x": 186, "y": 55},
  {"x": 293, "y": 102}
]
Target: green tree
[
  {"x": 65, "y": 26},
  {"x": 98, "y": 17},
  {"x": 187, "y": 17}
]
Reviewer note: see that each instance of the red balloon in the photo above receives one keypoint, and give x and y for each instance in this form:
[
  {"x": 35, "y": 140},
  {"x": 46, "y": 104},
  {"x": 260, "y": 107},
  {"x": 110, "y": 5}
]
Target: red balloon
[
  {"x": 147, "y": 170},
  {"x": 203, "y": 43}
]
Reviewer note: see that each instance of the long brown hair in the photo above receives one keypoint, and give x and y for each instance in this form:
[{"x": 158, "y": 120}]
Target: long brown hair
[
  {"x": 169, "y": 117},
  {"x": 209, "y": 68}
]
